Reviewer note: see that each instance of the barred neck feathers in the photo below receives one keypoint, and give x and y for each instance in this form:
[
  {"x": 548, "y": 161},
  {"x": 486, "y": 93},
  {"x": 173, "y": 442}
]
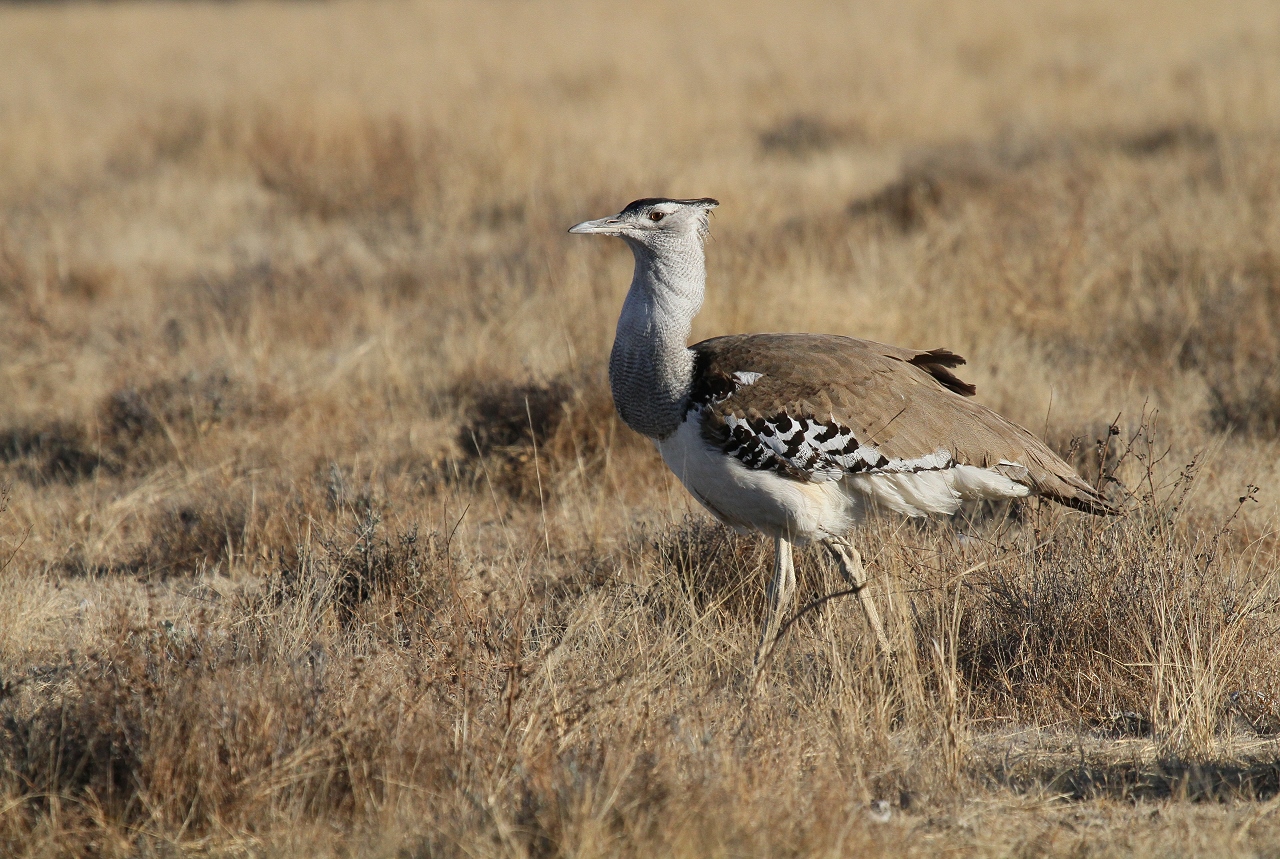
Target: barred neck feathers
[{"x": 651, "y": 367}]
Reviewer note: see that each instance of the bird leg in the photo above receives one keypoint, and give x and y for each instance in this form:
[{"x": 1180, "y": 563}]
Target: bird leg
[
  {"x": 781, "y": 590},
  {"x": 851, "y": 568}
]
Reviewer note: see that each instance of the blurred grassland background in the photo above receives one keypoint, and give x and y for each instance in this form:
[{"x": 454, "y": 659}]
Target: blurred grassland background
[{"x": 320, "y": 537}]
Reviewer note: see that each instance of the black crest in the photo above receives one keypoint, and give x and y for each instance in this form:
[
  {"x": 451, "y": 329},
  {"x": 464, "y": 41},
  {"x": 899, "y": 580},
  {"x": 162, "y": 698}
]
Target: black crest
[{"x": 638, "y": 205}]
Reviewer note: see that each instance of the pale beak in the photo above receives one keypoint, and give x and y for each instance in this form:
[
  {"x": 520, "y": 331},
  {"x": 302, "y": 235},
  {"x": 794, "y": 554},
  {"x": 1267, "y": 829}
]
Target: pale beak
[{"x": 610, "y": 226}]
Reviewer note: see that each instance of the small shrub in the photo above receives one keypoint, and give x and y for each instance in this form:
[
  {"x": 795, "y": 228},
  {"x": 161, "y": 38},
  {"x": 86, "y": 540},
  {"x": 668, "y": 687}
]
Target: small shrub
[
  {"x": 190, "y": 539},
  {"x": 57, "y": 451},
  {"x": 1150, "y": 611},
  {"x": 1218, "y": 318},
  {"x": 804, "y": 135},
  {"x": 502, "y": 416},
  {"x": 134, "y": 430},
  {"x": 361, "y": 574},
  {"x": 525, "y": 437}
]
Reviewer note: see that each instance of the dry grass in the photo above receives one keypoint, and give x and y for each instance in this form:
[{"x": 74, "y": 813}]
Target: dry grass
[{"x": 320, "y": 537}]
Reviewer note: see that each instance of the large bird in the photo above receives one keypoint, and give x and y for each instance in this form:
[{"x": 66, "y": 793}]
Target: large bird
[{"x": 799, "y": 436}]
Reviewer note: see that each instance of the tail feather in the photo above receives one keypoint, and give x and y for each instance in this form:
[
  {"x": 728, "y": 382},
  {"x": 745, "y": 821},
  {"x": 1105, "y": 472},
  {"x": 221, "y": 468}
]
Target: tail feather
[
  {"x": 1055, "y": 479},
  {"x": 1090, "y": 502}
]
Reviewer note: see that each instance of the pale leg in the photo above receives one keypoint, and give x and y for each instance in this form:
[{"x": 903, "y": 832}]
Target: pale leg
[
  {"x": 781, "y": 590},
  {"x": 851, "y": 568}
]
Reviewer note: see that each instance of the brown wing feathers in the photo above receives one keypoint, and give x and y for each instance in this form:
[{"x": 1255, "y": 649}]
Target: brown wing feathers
[
  {"x": 938, "y": 363},
  {"x": 823, "y": 404}
]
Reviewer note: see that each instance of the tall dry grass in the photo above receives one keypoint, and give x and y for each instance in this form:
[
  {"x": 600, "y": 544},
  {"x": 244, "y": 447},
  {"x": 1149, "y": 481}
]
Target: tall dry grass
[{"x": 320, "y": 537}]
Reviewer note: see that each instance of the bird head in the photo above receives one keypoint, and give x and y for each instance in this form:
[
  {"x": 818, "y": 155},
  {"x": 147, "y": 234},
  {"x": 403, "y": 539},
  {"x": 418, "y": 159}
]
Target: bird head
[{"x": 655, "y": 222}]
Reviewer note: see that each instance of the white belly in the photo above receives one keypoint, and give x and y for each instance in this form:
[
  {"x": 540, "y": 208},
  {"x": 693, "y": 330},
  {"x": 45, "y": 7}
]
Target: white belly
[
  {"x": 764, "y": 500},
  {"x": 757, "y": 500}
]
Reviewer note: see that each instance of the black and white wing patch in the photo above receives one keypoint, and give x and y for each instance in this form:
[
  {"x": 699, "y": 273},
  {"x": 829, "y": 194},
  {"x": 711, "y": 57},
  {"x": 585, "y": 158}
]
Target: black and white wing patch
[
  {"x": 813, "y": 450},
  {"x": 798, "y": 447},
  {"x": 801, "y": 447}
]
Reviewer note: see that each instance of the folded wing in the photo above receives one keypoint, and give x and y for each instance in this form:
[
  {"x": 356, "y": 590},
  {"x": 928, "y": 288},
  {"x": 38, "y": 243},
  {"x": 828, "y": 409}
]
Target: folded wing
[{"x": 818, "y": 407}]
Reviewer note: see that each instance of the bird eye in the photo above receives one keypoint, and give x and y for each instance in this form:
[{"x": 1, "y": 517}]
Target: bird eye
[{"x": 656, "y": 216}]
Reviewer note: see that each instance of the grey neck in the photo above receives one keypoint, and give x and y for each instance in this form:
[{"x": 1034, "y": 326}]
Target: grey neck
[{"x": 651, "y": 366}]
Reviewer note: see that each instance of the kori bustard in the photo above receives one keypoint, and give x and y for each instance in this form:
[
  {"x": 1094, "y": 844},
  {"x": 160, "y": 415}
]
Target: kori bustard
[{"x": 798, "y": 436}]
